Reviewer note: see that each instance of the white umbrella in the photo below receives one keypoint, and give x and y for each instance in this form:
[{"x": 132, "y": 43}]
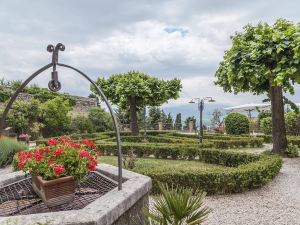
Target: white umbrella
[{"x": 249, "y": 107}]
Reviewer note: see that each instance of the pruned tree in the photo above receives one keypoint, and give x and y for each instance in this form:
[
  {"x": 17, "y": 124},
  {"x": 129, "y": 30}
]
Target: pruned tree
[
  {"x": 217, "y": 118},
  {"x": 264, "y": 59},
  {"x": 134, "y": 90},
  {"x": 178, "y": 122}
]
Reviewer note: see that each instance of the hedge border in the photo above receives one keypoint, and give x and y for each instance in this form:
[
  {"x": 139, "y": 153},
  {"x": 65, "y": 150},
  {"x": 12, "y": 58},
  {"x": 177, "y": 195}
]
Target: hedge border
[{"x": 231, "y": 180}]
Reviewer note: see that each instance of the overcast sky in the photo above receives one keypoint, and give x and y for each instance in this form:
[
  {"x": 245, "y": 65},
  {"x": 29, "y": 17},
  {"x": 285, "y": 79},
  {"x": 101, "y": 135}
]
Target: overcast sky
[{"x": 177, "y": 38}]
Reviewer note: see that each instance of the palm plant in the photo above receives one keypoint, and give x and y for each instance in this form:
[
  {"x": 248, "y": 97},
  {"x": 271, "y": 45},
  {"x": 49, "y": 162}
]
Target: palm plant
[{"x": 177, "y": 206}]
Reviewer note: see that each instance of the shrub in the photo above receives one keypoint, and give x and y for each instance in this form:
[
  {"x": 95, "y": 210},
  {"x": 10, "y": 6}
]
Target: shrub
[
  {"x": 8, "y": 149},
  {"x": 291, "y": 120},
  {"x": 82, "y": 124},
  {"x": 180, "y": 151},
  {"x": 292, "y": 151},
  {"x": 177, "y": 206},
  {"x": 227, "y": 180},
  {"x": 266, "y": 125},
  {"x": 236, "y": 124}
]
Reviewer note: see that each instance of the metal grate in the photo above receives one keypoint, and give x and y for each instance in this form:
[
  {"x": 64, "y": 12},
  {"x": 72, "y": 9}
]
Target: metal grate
[{"x": 20, "y": 199}]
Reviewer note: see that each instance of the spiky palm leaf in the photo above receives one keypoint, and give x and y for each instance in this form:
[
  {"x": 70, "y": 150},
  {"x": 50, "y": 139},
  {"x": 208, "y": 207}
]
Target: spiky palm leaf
[{"x": 177, "y": 206}]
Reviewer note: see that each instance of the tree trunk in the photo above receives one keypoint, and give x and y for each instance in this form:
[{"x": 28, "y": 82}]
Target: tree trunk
[
  {"x": 278, "y": 123},
  {"x": 133, "y": 116}
]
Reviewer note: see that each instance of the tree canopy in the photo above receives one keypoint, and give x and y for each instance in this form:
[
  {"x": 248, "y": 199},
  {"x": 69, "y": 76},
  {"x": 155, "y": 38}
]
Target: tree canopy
[
  {"x": 260, "y": 57},
  {"x": 134, "y": 90},
  {"x": 264, "y": 59}
]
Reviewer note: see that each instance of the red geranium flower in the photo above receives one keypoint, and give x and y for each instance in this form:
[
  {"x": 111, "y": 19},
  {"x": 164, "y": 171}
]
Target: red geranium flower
[
  {"x": 52, "y": 141},
  {"x": 38, "y": 155},
  {"x": 92, "y": 167},
  {"x": 83, "y": 154},
  {"x": 58, "y": 152},
  {"x": 59, "y": 169}
]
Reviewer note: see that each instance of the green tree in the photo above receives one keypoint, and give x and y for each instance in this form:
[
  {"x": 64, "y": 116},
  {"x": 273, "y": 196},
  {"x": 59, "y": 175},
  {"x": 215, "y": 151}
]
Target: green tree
[
  {"x": 264, "y": 59},
  {"x": 236, "y": 124},
  {"x": 134, "y": 90},
  {"x": 82, "y": 124},
  {"x": 154, "y": 116},
  {"x": 178, "y": 123},
  {"x": 217, "y": 118},
  {"x": 169, "y": 122},
  {"x": 100, "y": 119},
  {"x": 55, "y": 116},
  {"x": 187, "y": 120},
  {"x": 23, "y": 114}
]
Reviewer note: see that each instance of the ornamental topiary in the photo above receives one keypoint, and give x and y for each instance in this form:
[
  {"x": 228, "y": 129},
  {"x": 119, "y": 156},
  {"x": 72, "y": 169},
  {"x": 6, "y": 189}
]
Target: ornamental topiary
[{"x": 236, "y": 124}]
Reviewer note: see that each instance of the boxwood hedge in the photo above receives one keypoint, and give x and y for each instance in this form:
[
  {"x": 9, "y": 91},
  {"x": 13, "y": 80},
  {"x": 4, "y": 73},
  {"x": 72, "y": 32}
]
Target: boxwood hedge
[{"x": 230, "y": 180}]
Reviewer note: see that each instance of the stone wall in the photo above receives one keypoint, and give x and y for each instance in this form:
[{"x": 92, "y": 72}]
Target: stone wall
[{"x": 82, "y": 104}]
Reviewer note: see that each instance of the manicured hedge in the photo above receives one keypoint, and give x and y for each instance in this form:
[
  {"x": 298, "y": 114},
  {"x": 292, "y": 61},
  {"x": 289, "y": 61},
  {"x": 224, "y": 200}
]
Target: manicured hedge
[
  {"x": 230, "y": 180},
  {"x": 183, "y": 151}
]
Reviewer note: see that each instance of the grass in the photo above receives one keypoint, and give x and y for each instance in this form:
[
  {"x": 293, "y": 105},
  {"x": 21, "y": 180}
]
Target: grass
[
  {"x": 165, "y": 164},
  {"x": 8, "y": 148}
]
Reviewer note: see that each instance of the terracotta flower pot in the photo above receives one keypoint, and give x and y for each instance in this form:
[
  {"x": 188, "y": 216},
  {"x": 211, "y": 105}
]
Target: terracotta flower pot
[{"x": 54, "y": 192}]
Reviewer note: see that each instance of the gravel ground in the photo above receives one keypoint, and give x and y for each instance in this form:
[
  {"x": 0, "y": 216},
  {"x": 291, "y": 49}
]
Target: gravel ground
[{"x": 276, "y": 203}]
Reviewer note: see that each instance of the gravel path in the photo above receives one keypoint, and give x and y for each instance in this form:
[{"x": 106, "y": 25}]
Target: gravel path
[{"x": 277, "y": 203}]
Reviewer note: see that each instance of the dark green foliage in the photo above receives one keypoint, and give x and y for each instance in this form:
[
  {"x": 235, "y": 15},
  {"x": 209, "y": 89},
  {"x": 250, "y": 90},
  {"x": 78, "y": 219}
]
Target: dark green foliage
[
  {"x": 266, "y": 125},
  {"x": 8, "y": 148},
  {"x": 178, "y": 123},
  {"x": 100, "y": 119},
  {"x": 264, "y": 114},
  {"x": 169, "y": 122},
  {"x": 171, "y": 148},
  {"x": 23, "y": 114},
  {"x": 292, "y": 151},
  {"x": 291, "y": 123},
  {"x": 228, "y": 180},
  {"x": 55, "y": 116},
  {"x": 82, "y": 124},
  {"x": 236, "y": 124},
  {"x": 176, "y": 206},
  {"x": 187, "y": 120}
]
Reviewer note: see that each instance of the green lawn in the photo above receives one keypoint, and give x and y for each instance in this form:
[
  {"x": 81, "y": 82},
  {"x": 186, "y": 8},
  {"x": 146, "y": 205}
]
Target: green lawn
[{"x": 165, "y": 164}]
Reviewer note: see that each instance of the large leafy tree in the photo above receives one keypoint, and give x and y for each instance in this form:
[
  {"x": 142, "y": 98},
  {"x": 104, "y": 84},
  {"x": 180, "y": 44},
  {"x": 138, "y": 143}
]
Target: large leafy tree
[
  {"x": 55, "y": 116},
  {"x": 134, "y": 90},
  {"x": 100, "y": 119},
  {"x": 23, "y": 114},
  {"x": 264, "y": 59}
]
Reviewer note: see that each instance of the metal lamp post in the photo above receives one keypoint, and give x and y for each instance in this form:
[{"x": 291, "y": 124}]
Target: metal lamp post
[{"x": 200, "y": 102}]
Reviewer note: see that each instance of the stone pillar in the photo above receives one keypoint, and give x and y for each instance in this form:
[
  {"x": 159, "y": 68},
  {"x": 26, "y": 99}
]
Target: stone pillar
[
  {"x": 191, "y": 126},
  {"x": 160, "y": 126}
]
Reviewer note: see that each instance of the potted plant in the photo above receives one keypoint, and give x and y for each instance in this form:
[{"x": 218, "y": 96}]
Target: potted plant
[{"x": 57, "y": 166}]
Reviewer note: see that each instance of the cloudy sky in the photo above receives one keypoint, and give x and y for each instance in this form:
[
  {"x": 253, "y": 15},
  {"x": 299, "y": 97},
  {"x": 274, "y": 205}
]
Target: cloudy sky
[{"x": 177, "y": 38}]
